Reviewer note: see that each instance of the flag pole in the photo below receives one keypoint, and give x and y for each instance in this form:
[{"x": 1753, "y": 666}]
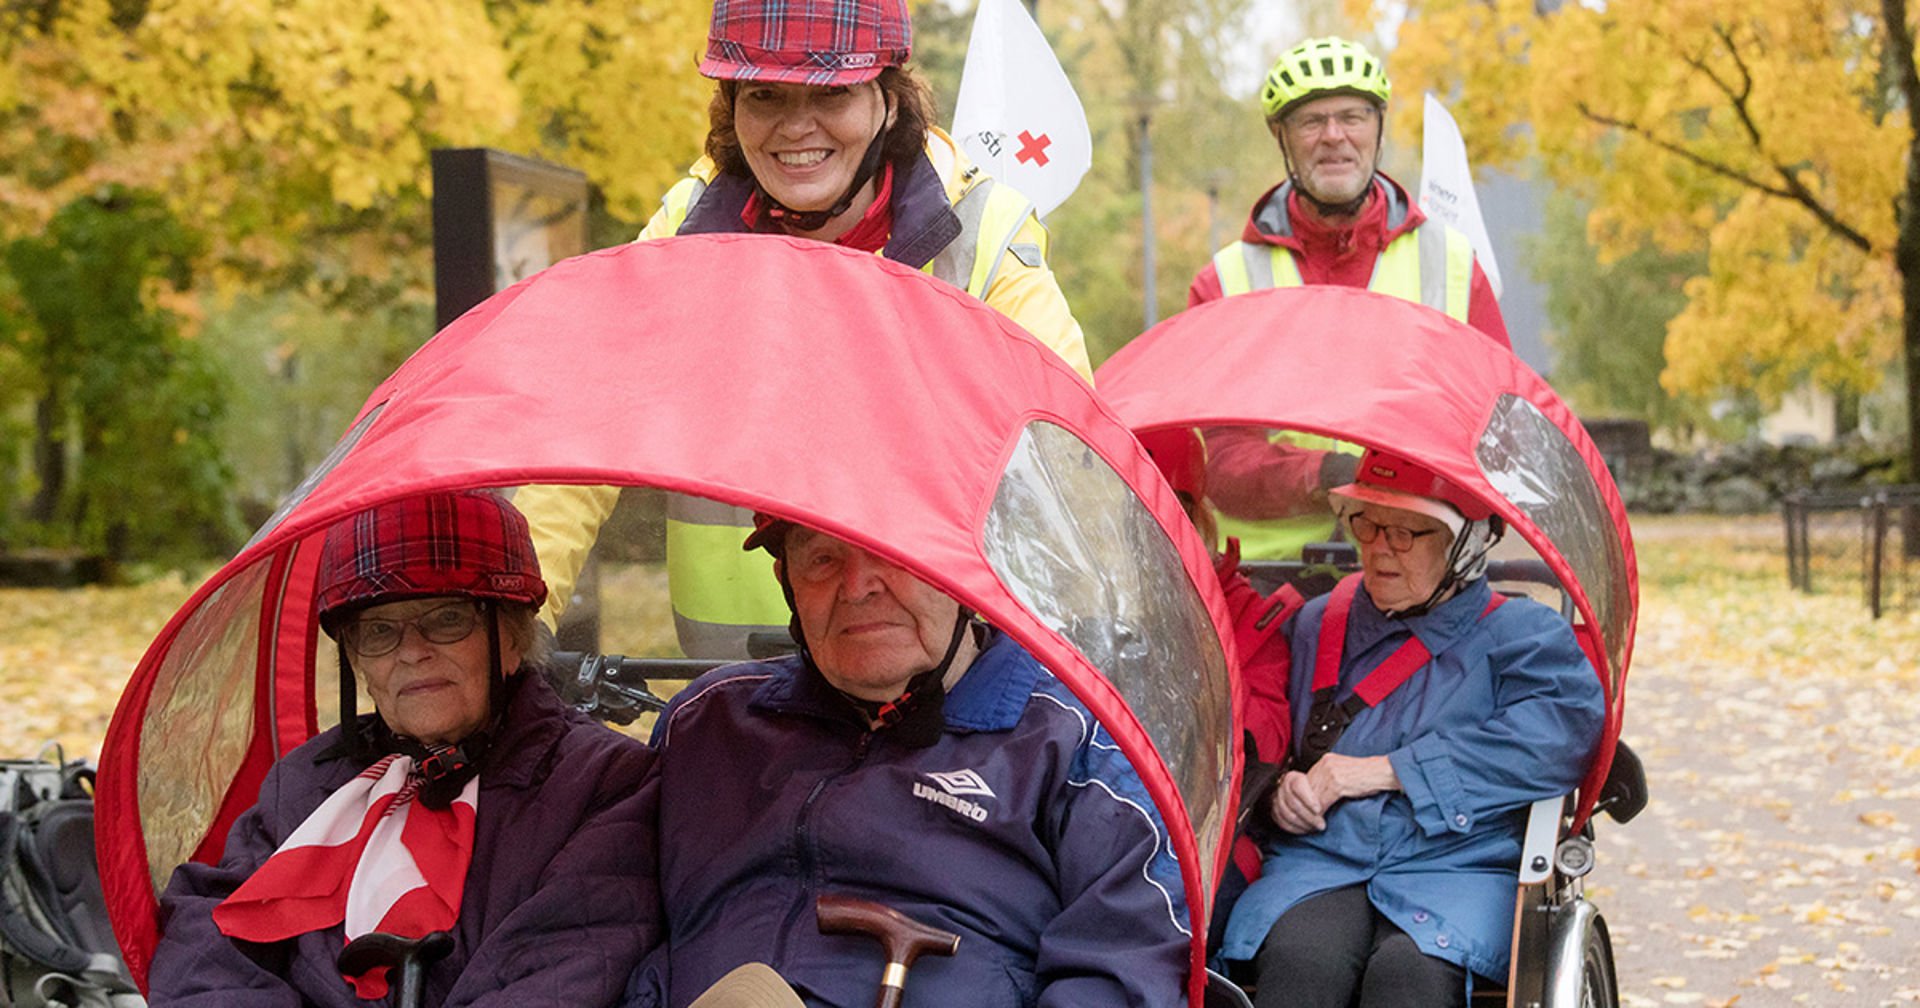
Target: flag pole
[{"x": 1150, "y": 306}]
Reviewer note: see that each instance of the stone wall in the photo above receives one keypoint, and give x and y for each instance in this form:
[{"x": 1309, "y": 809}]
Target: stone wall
[{"x": 1747, "y": 478}]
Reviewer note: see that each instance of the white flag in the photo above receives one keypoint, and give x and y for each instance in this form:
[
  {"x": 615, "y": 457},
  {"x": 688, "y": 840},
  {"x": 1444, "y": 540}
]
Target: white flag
[
  {"x": 1446, "y": 185},
  {"x": 1016, "y": 115}
]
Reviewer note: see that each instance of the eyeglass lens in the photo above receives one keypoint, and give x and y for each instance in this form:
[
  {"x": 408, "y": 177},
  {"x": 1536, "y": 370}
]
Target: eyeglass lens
[
  {"x": 445, "y": 624},
  {"x": 1350, "y": 120},
  {"x": 1399, "y": 539}
]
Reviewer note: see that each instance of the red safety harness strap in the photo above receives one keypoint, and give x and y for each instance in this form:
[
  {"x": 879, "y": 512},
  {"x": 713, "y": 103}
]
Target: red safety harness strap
[{"x": 1328, "y": 719}]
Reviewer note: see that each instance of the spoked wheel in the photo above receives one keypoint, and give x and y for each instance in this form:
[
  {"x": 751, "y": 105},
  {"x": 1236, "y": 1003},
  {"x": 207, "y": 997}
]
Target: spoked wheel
[{"x": 1597, "y": 986}]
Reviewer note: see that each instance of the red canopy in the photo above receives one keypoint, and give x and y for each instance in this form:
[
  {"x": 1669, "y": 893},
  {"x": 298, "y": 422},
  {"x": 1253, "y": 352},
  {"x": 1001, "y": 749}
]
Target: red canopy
[
  {"x": 831, "y": 387},
  {"x": 1377, "y": 370}
]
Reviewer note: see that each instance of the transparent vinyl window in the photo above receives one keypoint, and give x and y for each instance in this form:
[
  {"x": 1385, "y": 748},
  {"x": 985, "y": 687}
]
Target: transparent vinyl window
[
  {"x": 305, "y": 489},
  {"x": 1533, "y": 464},
  {"x": 1071, "y": 540},
  {"x": 204, "y": 690}
]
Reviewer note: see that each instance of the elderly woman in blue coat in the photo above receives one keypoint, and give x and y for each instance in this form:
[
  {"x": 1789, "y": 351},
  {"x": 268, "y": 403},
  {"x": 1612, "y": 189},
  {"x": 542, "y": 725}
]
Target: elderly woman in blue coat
[{"x": 1429, "y": 712}]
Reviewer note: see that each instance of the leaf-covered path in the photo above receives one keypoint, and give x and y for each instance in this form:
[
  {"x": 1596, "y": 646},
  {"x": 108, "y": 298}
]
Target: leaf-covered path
[{"x": 1777, "y": 864}]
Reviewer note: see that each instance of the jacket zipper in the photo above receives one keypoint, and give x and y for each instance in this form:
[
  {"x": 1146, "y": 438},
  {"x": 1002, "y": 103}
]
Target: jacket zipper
[{"x": 804, "y": 849}]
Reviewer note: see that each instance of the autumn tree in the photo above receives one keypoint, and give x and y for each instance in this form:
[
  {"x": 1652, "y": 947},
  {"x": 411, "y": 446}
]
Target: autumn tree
[
  {"x": 124, "y": 404},
  {"x": 294, "y": 135},
  {"x": 1608, "y": 321},
  {"x": 1776, "y": 137}
]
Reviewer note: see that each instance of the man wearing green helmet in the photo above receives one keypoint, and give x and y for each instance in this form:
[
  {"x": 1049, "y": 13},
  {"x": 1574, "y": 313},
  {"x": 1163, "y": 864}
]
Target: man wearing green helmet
[{"x": 1337, "y": 219}]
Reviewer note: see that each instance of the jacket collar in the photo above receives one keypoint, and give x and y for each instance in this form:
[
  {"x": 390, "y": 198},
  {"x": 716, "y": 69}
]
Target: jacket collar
[
  {"x": 990, "y": 696},
  {"x": 1438, "y": 629},
  {"x": 923, "y": 220},
  {"x": 1271, "y": 222}
]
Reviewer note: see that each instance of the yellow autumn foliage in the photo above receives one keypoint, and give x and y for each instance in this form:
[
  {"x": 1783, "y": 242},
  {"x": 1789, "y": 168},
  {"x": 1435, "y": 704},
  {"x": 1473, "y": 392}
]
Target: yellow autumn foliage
[
  {"x": 265, "y": 120},
  {"x": 1759, "y": 132}
]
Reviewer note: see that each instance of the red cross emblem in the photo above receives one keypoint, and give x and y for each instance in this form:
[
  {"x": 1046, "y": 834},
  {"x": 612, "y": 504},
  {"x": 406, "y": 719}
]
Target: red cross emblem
[{"x": 1033, "y": 148}]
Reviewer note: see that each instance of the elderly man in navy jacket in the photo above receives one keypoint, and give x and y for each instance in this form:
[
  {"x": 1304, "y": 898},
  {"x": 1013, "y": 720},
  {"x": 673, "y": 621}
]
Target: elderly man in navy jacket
[{"x": 911, "y": 756}]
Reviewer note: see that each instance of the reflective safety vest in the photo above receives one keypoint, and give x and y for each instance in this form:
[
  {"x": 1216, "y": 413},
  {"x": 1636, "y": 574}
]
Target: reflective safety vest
[
  {"x": 990, "y": 217},
  {"x": 1282, "y": 538},
  {"x": 1432, "y": 264},
  {"x": 722, "y": 595}
]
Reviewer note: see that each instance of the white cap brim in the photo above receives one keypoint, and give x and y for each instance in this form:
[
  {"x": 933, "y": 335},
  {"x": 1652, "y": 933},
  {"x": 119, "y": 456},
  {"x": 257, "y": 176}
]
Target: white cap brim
[{"x": 1362, "y": 493}]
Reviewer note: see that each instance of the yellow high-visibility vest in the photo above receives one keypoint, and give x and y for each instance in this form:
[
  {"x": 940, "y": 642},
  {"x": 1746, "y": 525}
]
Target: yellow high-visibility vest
[
  {"x": 1431, "y": 265},
  {"x": 720, "y": 594}
]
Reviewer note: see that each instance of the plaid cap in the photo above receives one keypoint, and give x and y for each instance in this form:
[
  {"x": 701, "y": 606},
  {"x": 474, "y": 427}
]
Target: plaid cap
[
  {"x": 816, "y": 42},
  {"x": 1392, "y": 481},
  {"x": 468, "y": 542}
]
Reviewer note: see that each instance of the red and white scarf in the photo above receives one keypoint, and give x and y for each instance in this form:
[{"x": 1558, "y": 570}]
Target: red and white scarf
[{"x": 370, "y": 856}]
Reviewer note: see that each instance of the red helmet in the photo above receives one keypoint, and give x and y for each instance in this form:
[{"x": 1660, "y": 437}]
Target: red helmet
[
  {"x": 1181, "y": 456},
  {"x": 1394, "y": 481},
  {"x": 818, "y": 42},
  {"x": 468, "y": 542}
]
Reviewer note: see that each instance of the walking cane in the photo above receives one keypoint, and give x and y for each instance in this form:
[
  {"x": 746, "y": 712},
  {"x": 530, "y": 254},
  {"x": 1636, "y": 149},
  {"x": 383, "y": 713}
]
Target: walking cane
[
  {"x": 406, "y": 960},
  {"x": 903, "y": 938}
]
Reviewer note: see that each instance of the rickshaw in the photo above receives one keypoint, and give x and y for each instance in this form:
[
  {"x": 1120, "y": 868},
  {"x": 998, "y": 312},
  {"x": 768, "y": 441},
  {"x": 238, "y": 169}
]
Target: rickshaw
[
  {"x": 1377, "y": 371},
  {"x": 827, "y": 387}
]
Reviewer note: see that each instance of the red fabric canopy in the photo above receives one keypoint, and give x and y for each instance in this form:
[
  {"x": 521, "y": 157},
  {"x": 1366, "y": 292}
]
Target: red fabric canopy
[
  {"x": 1377, "y": 370},
  {"x": 831, "y": 387}
]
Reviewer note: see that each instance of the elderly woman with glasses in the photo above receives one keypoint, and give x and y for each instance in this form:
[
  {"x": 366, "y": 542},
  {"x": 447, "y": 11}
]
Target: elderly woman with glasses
[
  {"x": 1428, "y": 713},
  {"x": 470, "y": 801}
]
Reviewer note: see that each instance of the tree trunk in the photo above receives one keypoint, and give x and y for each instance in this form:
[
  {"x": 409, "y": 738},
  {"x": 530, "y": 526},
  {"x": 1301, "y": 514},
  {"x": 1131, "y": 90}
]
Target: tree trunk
[
  {"x": 1899, "y": 54},
  {"x": 49, "y": 455}
]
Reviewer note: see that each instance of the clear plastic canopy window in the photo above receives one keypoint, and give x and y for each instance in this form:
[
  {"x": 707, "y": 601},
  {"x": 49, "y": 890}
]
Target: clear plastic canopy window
[
  {"x": 1104, "y": 553},
  {"x": 1533, "y": 464},
  {"x": 307, "y": 486},
  {"x": 204, "y": 690}
]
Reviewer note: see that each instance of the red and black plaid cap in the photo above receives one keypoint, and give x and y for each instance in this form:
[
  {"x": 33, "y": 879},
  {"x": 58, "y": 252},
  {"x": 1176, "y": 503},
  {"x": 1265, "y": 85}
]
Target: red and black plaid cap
[
  {"x": 817, "y": 42},
  {"x": 468, "y": 542}
]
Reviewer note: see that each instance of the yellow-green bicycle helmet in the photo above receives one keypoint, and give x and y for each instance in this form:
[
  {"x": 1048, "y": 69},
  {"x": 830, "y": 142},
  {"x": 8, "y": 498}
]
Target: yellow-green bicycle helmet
[{"x": 1319, "y": 67}]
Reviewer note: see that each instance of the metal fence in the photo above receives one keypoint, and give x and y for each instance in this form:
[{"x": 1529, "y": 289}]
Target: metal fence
[{"x": 1866, "y": 540}]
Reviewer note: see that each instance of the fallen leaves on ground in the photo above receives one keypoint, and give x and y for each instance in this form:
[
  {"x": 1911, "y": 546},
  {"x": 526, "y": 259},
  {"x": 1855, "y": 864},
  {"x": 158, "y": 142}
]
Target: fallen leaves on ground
[
  {"x": 1775, "y": 863},
  {"x": 65, "y": 654}
]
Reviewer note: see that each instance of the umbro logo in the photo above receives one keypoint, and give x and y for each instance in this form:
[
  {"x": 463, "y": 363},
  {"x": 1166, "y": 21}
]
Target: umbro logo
[
  {"x": 951, "y": 785},
  {"x": 962, "y": 782}
]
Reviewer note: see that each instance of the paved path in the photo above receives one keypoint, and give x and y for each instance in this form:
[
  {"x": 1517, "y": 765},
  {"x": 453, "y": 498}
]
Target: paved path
[{"x": 1778, "y": 862}]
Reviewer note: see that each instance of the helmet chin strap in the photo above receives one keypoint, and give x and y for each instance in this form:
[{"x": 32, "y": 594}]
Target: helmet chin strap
[
  {"x": 1457, "y": 561},
  {"x": 813, "y": 220}
]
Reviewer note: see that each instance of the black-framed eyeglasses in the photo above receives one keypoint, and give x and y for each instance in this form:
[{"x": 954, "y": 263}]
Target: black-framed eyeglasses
[
  {"x": 443, "y": 624},
  {"x": 1399, "y": 538}
]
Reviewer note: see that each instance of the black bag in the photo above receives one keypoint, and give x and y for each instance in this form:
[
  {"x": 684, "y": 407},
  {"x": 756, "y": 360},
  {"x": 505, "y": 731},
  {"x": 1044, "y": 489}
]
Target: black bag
[{"x": 57, "y": 949}]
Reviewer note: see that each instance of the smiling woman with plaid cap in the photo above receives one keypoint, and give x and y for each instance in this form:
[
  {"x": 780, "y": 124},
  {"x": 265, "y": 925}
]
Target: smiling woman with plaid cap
[
  {"x": 471, "y": 801},
  {"x": 820, "y": 129}
]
